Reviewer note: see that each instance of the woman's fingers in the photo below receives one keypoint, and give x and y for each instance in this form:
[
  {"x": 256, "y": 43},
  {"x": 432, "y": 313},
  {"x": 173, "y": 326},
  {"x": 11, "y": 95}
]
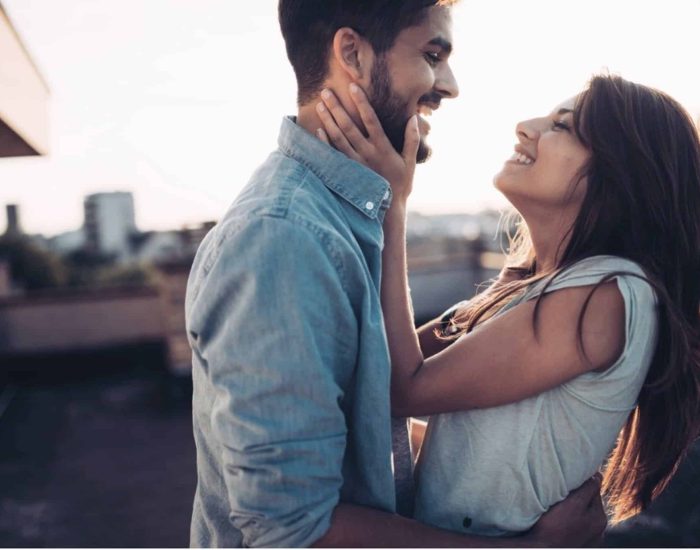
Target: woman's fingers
[
  {"x": 374, "y": 151},
  {"x": 323, "y": 136},
  {"x": 346, "y": 124},
  {"x": 334, "y": 133},
  {"x": 411, "y": 142},
  {"x": 367, "y": 114}
]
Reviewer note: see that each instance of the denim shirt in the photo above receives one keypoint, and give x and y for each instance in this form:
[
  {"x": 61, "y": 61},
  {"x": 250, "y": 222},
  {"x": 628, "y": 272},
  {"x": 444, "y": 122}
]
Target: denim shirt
[{"x": 290, "y": 363}]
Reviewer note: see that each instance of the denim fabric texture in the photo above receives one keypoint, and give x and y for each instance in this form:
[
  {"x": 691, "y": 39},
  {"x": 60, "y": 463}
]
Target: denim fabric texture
[{"x": 290, "y": 363}]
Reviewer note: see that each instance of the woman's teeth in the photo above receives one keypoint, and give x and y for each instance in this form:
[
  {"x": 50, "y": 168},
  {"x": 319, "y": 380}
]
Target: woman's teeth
[{"x": 522, "y": 159}]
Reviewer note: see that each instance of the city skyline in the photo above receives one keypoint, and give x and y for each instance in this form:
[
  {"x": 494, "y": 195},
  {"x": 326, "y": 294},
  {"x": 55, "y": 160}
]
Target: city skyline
[{"x": 180, "y": 109}]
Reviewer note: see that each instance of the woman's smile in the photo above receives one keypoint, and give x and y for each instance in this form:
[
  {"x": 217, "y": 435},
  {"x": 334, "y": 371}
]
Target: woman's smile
[{"x": 520, "y": 158}]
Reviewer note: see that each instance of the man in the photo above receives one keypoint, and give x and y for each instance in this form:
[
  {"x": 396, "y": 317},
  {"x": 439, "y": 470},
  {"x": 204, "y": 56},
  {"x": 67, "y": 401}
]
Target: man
[{"x": 290, "y": 361}]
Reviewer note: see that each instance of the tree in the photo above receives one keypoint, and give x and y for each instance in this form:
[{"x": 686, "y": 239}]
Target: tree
[
  {"x": 32, "y": 267},
  {"x": 127, "y": 275}
]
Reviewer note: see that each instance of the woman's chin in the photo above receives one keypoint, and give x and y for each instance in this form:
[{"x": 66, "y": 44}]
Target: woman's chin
[
  {"x": 507, "y": 189},
  {"x": 501, "y": 183}
]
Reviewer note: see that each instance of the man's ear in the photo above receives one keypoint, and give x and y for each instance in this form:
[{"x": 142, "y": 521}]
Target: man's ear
[{"x": 352, "y": 53}]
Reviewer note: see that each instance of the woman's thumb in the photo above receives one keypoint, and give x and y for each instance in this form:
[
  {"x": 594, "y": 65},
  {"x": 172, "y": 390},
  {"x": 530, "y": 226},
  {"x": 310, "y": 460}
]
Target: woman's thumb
[{"x": 411, "y": 141}]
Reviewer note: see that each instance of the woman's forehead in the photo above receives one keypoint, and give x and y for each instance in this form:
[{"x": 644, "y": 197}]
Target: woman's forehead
[{"x": 566, "y": 105}]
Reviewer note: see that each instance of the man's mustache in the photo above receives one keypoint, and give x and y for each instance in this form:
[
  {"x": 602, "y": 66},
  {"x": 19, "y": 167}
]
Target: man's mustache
[{"x": 432, "y": 98}]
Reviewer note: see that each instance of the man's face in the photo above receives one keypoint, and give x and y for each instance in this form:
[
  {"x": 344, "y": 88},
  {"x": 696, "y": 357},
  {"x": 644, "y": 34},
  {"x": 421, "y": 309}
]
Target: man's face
[{"x": 413, "y": 77}]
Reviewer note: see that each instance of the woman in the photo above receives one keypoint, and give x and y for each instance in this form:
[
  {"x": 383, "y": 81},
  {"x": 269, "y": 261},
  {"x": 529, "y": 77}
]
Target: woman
[{"x": 586, "y": 343}]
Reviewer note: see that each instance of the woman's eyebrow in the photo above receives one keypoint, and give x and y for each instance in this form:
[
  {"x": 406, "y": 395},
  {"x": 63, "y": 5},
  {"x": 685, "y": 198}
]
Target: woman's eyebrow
[{"x": 564, "y": 111}]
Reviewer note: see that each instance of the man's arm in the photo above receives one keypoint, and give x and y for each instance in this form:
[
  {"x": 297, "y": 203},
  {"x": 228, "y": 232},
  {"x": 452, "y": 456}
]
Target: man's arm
[
  {"x": 577, "y": 521},
  {"x": 274, "y": 330}
]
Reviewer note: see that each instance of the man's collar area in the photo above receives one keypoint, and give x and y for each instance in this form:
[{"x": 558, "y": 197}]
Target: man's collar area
[{"x": 357, "y": 184}]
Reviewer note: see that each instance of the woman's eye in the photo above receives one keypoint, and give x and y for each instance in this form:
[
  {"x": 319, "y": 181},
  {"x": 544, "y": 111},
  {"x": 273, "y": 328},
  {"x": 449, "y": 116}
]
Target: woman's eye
[{"x": 559, "y": 125}]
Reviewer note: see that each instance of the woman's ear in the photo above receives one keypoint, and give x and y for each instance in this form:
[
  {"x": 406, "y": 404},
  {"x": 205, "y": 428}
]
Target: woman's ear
[{"x": 352, "y": 53}]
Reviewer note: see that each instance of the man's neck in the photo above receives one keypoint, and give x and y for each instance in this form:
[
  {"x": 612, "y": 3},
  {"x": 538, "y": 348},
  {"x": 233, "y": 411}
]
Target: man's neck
[
  {"x": 308, "y": 119},
  {"x": 307, "y": 116}
]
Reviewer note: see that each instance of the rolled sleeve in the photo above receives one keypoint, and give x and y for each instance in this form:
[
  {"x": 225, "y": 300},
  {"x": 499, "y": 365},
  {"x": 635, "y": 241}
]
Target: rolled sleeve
[{"x": 277, "y": 339}]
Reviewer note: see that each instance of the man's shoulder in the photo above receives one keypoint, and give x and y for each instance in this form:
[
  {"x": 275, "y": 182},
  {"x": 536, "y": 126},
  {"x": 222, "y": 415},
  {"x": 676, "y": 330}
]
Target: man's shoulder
[
  {"x": 284, "y": 192},
  {"x": 284, "y": 209},
  {"x": 261, "y": 245},
  {"x": 283, "y": 187}
]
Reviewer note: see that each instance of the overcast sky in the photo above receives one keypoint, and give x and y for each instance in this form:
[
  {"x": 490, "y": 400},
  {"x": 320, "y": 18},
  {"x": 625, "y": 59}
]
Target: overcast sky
[{"x": 179, "y": 100}]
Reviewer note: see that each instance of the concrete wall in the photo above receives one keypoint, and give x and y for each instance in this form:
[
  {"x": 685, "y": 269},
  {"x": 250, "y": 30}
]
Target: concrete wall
[
  {"x": 91, "y": 320},
  {"x": 173, "y": 285},
  {"x": 24, "y": 97},
  {"x": 79, "y": 321},
  {"x": 435, "y": 290},
  {"x": 442, "y": 272}
]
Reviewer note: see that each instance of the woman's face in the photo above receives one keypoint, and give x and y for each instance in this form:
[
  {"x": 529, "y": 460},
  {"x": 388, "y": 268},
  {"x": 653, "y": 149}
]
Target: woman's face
[{"x": 544, "y": 171}]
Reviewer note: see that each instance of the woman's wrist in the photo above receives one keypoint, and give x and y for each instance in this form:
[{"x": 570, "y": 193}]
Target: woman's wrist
[
  {"x": 399, "y": 197},
  {"x": 398, "y": 208},
  {"x": 395, "y": 220}
]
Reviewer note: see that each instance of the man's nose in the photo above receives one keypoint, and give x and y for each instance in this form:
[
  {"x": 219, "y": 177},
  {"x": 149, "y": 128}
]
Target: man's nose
[{"x": 446, "y": 83}]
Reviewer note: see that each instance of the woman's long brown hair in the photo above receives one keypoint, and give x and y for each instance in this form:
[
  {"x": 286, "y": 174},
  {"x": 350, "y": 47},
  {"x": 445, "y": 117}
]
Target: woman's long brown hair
[{"x": 642, "y": 203}]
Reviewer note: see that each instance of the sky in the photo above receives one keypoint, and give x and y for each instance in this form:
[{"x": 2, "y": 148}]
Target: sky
[{"x": 178, "y": 101}]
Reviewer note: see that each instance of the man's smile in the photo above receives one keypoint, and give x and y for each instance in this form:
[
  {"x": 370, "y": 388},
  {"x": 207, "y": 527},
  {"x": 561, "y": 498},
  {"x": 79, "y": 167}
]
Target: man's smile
[{"x": 425, "y": 109}]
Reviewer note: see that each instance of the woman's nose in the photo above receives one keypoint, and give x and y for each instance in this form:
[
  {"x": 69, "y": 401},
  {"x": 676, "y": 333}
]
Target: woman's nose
[{"x": 527, "y": 130}]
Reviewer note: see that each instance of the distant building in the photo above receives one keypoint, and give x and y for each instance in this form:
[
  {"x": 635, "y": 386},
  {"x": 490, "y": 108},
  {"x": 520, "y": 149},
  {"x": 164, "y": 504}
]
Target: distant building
[
  {"x": 24, "y": 97},
  {"x": 486, "y": 225},
  {"x": 110, "y": 223},
  {"x": 109, "y": 229},
  {"x": 157, "y": 246},
  {"x": 13, "y": 226},
  {"x": 67, "y": 242},
  {"x": 166, "y": 247},
  {"x": 5, "y": 279}
]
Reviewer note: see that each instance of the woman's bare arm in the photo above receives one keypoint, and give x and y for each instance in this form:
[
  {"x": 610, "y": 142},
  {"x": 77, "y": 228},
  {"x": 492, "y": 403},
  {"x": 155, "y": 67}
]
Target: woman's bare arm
[
  {"x": 503, "y": 360},
  {"x": 429, "y": 343}
]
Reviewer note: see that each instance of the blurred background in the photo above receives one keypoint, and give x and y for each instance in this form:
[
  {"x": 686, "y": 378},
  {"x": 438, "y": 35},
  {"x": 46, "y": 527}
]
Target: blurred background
[{"x": 127, "y": 128}]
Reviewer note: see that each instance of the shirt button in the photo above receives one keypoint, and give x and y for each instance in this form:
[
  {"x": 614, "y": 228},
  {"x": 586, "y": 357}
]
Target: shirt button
[
  {"x": 369, "y": 205},
  {"x": 386, "y": 196}
]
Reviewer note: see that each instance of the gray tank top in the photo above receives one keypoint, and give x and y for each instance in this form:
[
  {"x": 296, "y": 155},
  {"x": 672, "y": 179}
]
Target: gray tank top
[{"x": 495, "y": 471}]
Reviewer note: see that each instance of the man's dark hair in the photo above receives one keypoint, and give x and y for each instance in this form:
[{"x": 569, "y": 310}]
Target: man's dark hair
[{"x": 308, "y": 28}]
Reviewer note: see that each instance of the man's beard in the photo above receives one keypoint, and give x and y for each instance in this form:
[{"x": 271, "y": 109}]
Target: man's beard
[{"x": 391, "y": 111}]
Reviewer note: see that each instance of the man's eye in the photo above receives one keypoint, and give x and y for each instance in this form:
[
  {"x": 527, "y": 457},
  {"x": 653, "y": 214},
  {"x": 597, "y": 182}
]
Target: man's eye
[
  {"x": 432, "y": 58},
  {"x": 559, "y": 125}
]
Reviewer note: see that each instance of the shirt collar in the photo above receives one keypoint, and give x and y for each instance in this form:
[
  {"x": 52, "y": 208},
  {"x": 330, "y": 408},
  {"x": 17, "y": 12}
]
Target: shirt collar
[{"x": 363, "y": 188}]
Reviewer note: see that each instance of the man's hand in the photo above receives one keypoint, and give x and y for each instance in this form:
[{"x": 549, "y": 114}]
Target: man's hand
[{"x": 577, "y": 521}]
